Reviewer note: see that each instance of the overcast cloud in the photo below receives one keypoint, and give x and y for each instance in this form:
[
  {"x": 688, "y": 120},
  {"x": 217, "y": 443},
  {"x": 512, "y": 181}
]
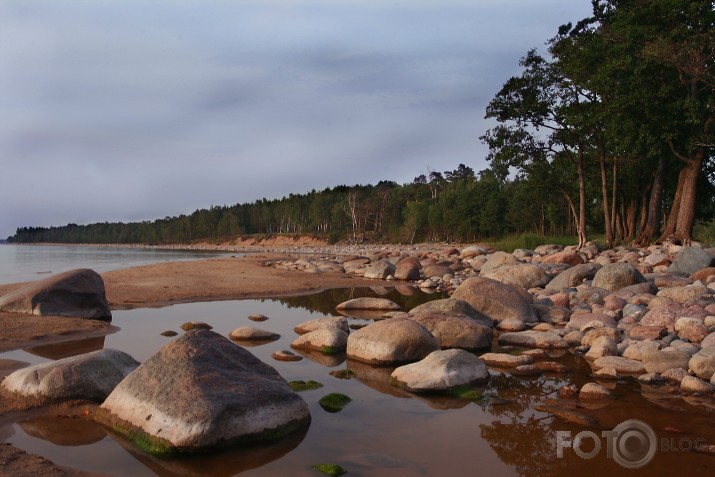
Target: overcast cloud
[{"x": 124, "y": 110}]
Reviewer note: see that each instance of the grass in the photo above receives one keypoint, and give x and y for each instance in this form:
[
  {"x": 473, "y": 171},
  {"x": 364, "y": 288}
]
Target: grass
[
  {"x": 334, "y": 402},
  {"x": 530, "y": 241},
  {"x": 329, "y": 350},
  {"x": 299, "y": 386},
  {"x": 330, "y": 469}
]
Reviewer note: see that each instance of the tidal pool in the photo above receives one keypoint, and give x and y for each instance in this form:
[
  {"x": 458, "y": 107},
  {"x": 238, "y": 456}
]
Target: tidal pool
[{"x": 383, "y": 431}]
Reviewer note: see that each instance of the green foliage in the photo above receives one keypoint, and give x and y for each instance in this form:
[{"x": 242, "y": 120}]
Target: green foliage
[
  {"x": 704, "y": 231},
  {"x": 530, "y": 241},
  {"x": 330, "y": 469},
  {"x": 299, "y": 386},
  {"x": 343, "y": 374},
  {"x": 334, "y": 402},
  {"x": 467, "y": 393}
]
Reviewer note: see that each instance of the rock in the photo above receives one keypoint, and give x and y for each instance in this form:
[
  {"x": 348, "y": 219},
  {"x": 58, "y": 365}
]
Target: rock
[
  {"x": 450, "y": 306},
  {"x": 657, "y": 259},
  {"x": 199, "y": 392},
  {"x": 693, "y": 332},
  {"x": 257, "y": 317},
  {"x": 285, "y": 355},
  {"x": 703, "y": 363},
  {"x": 473, "y": 251},
  {"x": 326, "y": 340},
  {"x": 684, "y": 294},
  {"x": 655, "y": 361},
  {"x": 689, "y": 260},
  {"x": 495, "y": 300},
  {"x": 195, "y": 325},
  {"x": 169, "y": 333},
  {"x": 578, "y": 320},
  {"x": 573, "y": 338},
  {"x": 569, "y": 257},
  {"x": 379, "y": 270},
  {"x": 674, "y": 376},
  {"x": 398, "y": 340},
  {"x": 441, "y": 371},
  {"x": 437, "y": 270},
  {"x": 665, "y": 315},
  {"x": 533, "y": 339},
  {"x": 456, "y": 331},
  {"x": 594, "y": 391},
  {"x": 606, "y": 373},
  {"x": 408, "y": 269},
  {"x": 381, "y": 304},
  {"x": 89, "y": 376},
  {"x": 616, "y": 276},
  {"x": 524, "y": 275},
  {"x": 511, "y": 324},
  {"x": 650, "y": 379},
  {"x": 703, "y": 274},
  {"x": 591, "y": 335},
  {"x": 602, "y": 346},
  {"x": 708, "y": 341},
  {"x": 323, "y": 323},
  {"x": 547, "y": 249},
  {"x": 614, "y": 303},
  {"x": 77, "y": 293},
  {"x": 620, "y": 364},
  {"x": 636, "y": 350},
  {"x": 498, "y": 259},
  {"x": 551, "y": 367},
  {"x": 249, "y": 333},
  {"x": 573, "y": 276},
  {"x": 691, "y": 384},
  {"x": 504, "y": 360},
  {"x": 569, "y": 415},
  {"x": 525, "y": 370},
  {"x": 552, "y": 314},
  {"x": 646, "y": 332}
]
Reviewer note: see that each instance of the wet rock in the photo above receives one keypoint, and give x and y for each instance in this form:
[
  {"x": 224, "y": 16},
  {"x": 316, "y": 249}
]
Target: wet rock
[
  {"x": 249, "y": 333},
  {"x": 533, "y": 339},
  {"x": 689, "y": 260},
  {"x": 77, "y": 293},
  {"x": 551, "y": 367},
  {"x": 495, "y": 300},
  {"x": 607, "y": 373},
  {"x": 573, "y": 276},
  {"x": 525, "y": 370},
  {"x": 602, "y": 346},
  {"x": 616, "y": 276},
  {"x": 651, "y": 379},
  {"x": 456, "y": 331},
  {"x": 285, "y": 355},
  {"x": 703, "y": 363},
  {"x": 327, "y": 341},
  {"x": 89, "y": 376},
  {"x": 202, "y": 391},
  {"x": 674, "y": 376},
  {"x": 691, "y": 384},
  {"x": 381, "y": 304},
  {"x": 398, "y": 340},
  {"x": 569, "y": 415},
  {"x": 620, "y": 364},
  {"x": 441, "y": 371},
  {"x": 504, "y": 360},
  {"x": 379, "y": 270},
  {"x": 655, "y": 361},
  {"x": 323, "y": 323},
  {"x": 594, "y": 391},
  {"x": 195, "y": 325},
  {"x": 257, "y": 317}
]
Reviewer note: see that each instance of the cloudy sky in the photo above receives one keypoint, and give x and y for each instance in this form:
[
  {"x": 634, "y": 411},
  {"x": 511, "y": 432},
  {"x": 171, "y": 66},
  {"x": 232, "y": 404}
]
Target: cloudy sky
[{"x": 123, "y": 110}]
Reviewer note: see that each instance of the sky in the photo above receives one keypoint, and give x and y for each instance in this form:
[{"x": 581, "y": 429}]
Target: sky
[{"x": 127, "y": 110}]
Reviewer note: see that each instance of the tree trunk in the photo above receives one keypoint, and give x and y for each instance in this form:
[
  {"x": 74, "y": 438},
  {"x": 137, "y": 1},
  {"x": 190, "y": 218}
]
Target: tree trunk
[
  {"x": 582, "y": 237},
  {"x": 672, "y": 222},
  {"x": 686, "y": 212},
  {"x": 631, "y": 218},
  {"x": 652, "y": 225},
  {"x": 604, "y": 190}
]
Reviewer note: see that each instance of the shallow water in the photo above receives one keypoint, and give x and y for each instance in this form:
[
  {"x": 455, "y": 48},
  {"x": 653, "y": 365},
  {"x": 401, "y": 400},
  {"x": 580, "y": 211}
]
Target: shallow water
[
  {"x": 20, "y": 263},
  {"x": 384, "y": 431}
]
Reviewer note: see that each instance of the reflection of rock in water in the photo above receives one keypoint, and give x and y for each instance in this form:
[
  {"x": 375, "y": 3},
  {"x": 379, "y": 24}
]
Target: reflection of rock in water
[
  {"x": 376, "y": 377},
  {"x": 220, "y": 464},
  {"x": 364, "y": 314},
  {"x": 405, "y": 290},
  {"x": 68, "y": 348},
  {"x": 327, "y": 360},
  {"x": 64, "y": 431},
  {"x": 381, "y": 465},
  {"x": 382, "y": 290},
  {"x": 8, "y": 366}
]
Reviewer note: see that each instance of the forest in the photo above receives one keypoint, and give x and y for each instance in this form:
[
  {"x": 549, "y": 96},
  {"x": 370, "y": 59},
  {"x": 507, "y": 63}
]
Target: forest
[{"x": 609, "y": 132}]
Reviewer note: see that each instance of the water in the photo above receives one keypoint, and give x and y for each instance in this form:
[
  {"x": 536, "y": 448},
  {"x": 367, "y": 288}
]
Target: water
[
  {"x": 21, "y": 263},
  {"x": 383, "y": 431}
]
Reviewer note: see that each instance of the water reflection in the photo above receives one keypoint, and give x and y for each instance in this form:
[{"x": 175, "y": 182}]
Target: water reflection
[
  {"x": 68, "y": 348},
  {"x": 64, "y": 431}
]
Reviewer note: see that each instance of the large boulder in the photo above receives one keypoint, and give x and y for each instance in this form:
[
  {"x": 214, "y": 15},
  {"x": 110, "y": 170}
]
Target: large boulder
[
  {"x": 77, "y": 293},
  {"x": 451, "y": 306},
  {"x": 655, "y": 361},
  {"x": 620, "y": 364},
  {"x": 441, "y": 371},
  {"x": 199, "y": 392},
  {"x": 703, "y": 363},
  {"x": 398, "y": 340},
  {"x": 498, "y": 259},
  {"x": 616, "y": 276},
  {"x": 89, "y": 376},
  {"x": 327, "y": 341},
  {"x": 380, "y": 304},
  {"x": 689, "y": 260},
  {"x": 573, "y": 276},
  {"x": 456, "y": 331},
  {"x": 665, "y": 316},
  {"x": 379, "y": 270},
  {"x": 524, "y": 275},
  {"x": 496, "y": 300},
  {"x": 323, "y": 323},
  {"x": 569, "y": 257},
  {"x": 408, "y": 269}
]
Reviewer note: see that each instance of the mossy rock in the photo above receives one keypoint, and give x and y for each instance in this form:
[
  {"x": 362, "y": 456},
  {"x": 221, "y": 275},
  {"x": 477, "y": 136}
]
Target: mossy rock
[
  {"x": 299, "y": 386},
  {"x": 343, "y": 374},
  {"x": 334, "y": 402},
  {"x": 329, "y": 350},
  {"x": 467, "y": 393},
  {"x": 195, "y": 325},
  {"x": 330, "y": 469},
  {"x": 169, "y": 333}
]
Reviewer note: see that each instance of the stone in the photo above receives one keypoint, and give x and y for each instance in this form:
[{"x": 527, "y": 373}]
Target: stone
[
  {"x": 504, "y": 360},
  {"x": 379, "y": 270},
  {"x": 195, "y": 325},
  {"x": 533, "y": 339},
  {"x": 674, "y": 376},
  {"x": 381, "y": 304},
  {"x": 472, "y": 251},
  {"x": 665, "y": 315},
  {"x": 511, "y": 324},
  {"x": 285, "y": 355},
  {"x": 606, "y": 373},
  {"x": 437, "y": 270},
  {"x": 569, "y": 257},
  {"x": 703, "y": 274},
  {"x": 650, "y": 379},
  {"x": 551, "y": 367},
  {"x": 199, "y": 392},
  {"x": 495, "y": 300},
  {"x": 441, "y": 371},
  {"x": 249, "y": 333},
  {"x": 591, "y": 335},
  {"x": 636, "y": 350},
  {"x": 594, "y": 391},
  {"x": 526, "y": 370},
  {"x": 651, "y": 333},
  {"x": 573, "y": 338},
  {"x": 573, "y": 276},
  {"x": 689, "y": 260},
  {"x": 498, "y": 259},
  {"x": 686, "y": 293},
  {"x": 657, "y": 259},
  {"x": 323, "y": 323},
  {"x": 614, "y": 303},
  {"x": 408, "y": 269},
  {"x": 524, "y": 275},
  {"x": 602, "y": 346},
  {"x": 455, "y": 330},
  {"x": 620, "y": 364},
  {"x": 90, "y": 376},
  {"x": 691, "y": 384},
  {"x": 77, "y": 293},
  {"x": 257, "y": 317},
  {"x": 655, "y": 361},
  {"x": 703, "y": 363},
  {"x": 616, "y": 276},
  {"x": 549, "y": 248},
  {"x": 449, "y": 306},
  {"x": 325, "y": 340},
  {"x": 693, "y": 332},
  {"x": 398, "y": 340},
  {"x": 578, "y": 320},
  {"x": 708, "y": 341}
]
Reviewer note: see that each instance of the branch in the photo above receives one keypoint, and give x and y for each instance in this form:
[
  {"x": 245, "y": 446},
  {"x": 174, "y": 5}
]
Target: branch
[{"x": 675, "y": 152}]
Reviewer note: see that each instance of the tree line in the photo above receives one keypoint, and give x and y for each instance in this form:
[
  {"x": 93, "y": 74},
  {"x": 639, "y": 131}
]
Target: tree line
[{"x": 610, "y": 132}]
